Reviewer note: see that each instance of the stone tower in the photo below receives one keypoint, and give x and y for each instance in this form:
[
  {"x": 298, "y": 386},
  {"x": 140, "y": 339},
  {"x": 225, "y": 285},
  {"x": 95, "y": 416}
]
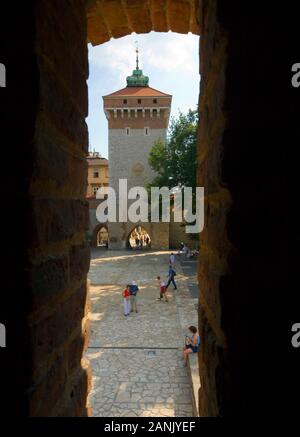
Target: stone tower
[{"x": 138, "y": 116}]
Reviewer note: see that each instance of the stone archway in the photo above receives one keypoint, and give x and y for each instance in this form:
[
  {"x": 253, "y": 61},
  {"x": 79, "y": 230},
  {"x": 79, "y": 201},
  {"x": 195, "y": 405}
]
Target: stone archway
[
  {"x": 56, "y": 139},
  {"x": 116, "y": 18},
  {"x": 138, "y": 238},
  {"x": 58, "y": 219},
  {"x": 100, "y": 236}
]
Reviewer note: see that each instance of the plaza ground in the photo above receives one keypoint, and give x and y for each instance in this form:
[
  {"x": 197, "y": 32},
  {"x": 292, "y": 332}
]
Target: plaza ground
[{"x": 136, "y": 360}]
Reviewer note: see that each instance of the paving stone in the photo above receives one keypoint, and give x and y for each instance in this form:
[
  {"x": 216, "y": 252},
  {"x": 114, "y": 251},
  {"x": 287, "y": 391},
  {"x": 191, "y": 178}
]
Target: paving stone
[{"x": 128, "y": 382}]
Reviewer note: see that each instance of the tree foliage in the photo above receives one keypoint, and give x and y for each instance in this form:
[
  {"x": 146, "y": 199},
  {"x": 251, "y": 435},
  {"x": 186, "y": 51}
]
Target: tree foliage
[{"x": 175, "y": 161}]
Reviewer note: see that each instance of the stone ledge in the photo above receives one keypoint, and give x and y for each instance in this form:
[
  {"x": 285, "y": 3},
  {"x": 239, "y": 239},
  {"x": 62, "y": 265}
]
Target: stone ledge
[
  {"x": 188, "y": 315},
  {"x": 193, "y": 371}
]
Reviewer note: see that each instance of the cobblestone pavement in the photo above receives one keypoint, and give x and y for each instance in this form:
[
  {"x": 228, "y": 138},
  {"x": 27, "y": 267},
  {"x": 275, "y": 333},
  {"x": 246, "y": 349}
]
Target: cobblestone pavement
[{"x": 136, "y": 360}]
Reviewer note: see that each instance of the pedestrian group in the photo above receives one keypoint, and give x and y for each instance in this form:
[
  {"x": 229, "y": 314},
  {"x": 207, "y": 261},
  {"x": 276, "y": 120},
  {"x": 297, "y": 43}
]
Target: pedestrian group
[{"x": 192, "y": 340}]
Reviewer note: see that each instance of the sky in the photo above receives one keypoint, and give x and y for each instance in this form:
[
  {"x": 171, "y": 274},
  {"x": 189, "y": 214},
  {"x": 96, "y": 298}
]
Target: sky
[{"x": 169, "y": 59}]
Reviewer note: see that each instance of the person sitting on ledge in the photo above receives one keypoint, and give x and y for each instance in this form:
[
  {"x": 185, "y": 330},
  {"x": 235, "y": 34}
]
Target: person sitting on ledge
[{"x": 192, "y": 344}]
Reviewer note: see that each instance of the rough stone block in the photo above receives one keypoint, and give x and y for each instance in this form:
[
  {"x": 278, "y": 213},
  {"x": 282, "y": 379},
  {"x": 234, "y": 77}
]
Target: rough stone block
[
  {"x": 56, "y": 220},
  {"x": 179, "y": 16}
]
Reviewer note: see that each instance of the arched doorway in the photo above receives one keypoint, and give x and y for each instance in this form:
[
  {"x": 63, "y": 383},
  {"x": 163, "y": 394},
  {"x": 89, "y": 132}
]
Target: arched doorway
[
  {"x": 100, "y": 236},
  {"x": 139, "y": 239}
]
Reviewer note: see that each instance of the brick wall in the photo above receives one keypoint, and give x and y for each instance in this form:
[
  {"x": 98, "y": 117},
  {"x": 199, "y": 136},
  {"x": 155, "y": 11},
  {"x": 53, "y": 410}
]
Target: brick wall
[
  {"x": 47, "y": 256},
  {"x": 247, "y": 111},
  {"x": 214, "y": 245},
  {"x": 59, "y": 215},
  {"x": 116, "y": 18}
]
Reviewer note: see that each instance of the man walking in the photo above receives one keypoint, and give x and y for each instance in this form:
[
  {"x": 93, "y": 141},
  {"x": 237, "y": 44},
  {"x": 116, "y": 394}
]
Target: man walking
[
  {"x": 133, "y": 296},
  {"x": 171, "y": 276},
  {"x": 172, "y": 259}
]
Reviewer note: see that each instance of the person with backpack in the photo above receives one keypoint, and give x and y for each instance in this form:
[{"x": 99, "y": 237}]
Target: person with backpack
[
  {"x": 133, "y": 296},
  {"x": 192, "y": 343},
  {"x": 171, "y": 276}
]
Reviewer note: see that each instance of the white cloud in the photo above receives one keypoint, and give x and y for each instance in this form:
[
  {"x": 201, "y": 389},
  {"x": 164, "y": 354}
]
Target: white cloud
[
  {"x": 176, "y": 53},
  {"x": 162, "y": 52},
  {"x": 114, "y": 57}
]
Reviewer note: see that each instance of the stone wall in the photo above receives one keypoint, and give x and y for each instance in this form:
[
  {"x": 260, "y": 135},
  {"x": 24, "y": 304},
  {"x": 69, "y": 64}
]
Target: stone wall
[
  {"x": 246, "y": 303},
  {"x": 93, "y": 222},
  {"x": 178, "y": 235},
  {"x": 128, "y": 157},
  {"x": 115, "y": 18},
  {"x": 46, "y": 110},
  {"x": 214, "y": 245},
  {"x": 59, "y": 215}
]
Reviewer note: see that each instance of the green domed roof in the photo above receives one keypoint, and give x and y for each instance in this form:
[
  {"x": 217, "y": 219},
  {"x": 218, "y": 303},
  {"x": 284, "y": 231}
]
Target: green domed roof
[{"x": 137, "y": 78}]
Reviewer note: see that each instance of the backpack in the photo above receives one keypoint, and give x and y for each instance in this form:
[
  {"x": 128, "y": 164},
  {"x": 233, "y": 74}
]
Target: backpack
[{"x": 134, "y": 289}]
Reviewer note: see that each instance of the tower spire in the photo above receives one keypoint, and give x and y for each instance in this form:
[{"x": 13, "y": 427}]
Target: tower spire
[
  {"x": 137, "y": 54},
  {"x": 137, "y": 78}
]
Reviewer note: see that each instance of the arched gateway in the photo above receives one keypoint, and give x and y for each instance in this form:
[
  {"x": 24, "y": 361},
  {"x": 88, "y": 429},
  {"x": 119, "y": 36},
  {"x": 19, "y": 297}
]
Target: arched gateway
[{"x": 139, "y": 238}]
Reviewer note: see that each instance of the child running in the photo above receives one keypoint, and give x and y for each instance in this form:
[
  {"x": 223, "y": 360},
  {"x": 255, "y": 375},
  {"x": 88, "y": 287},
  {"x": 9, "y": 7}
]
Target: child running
[
  {"x": 126, "y": 296},
  {"x": 162, "y": 290}
]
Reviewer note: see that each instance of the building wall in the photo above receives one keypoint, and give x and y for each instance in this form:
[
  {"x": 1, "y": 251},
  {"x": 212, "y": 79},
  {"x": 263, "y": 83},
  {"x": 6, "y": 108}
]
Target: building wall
[
  {"x": 128, "y": 157},
  {"x": 178, "y": 235},
  {"x": 132, "y": 102},
  {"x": 96, "y": 165},
  {"x": 139, "y": 122}
]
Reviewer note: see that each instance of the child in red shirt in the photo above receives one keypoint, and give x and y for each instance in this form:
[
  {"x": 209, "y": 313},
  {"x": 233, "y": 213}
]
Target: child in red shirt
[
  {"x": 126, "y": 296},
  {"x": 162, "y": 290}
]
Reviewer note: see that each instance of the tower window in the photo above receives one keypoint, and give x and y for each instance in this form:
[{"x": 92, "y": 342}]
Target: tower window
[
  {"x": 146, "y": 131},
  {"x": 125, "y": 101},
  {"x": 96, "y": 174},
  {"x": 127, "y": 131},
  {"x": 154, "y": 100},
  {"x": 139, "y": 101}
]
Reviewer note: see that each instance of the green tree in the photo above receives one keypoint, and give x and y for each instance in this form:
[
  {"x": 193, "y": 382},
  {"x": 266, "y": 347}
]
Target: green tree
[{"x": 175, "y": 161}]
